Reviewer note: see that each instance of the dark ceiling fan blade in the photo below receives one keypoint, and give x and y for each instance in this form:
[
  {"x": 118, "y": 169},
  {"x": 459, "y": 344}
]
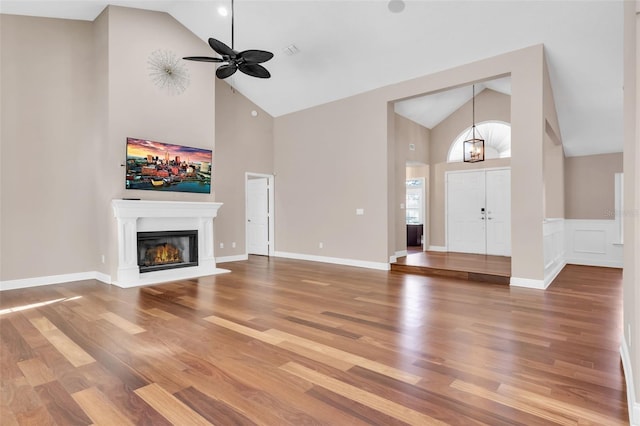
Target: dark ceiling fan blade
[
  {"x": 226, "y": 70},
  {"x": 255, "y": 56},
  {"x": 221, "y": 48},
  {"x": 202, "y": 59},
  {"x": 254, "y": 70}
]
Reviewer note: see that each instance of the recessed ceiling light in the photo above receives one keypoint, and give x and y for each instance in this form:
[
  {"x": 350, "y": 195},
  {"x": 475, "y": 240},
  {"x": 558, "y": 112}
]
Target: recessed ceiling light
[
  {"x": 222, "y": 11},
  {"x": 396, "y": 6}
]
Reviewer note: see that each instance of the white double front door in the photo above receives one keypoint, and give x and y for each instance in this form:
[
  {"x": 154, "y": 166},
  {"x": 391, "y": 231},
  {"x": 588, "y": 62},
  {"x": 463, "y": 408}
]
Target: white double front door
[{"x": 479, "y": 212}]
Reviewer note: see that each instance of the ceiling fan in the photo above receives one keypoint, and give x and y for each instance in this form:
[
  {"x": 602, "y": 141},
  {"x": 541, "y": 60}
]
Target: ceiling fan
[{"x": 247, "y": 61}]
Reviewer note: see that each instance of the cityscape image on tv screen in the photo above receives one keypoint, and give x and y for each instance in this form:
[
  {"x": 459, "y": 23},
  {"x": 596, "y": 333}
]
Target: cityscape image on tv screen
[{"x": 161, "y": 166}]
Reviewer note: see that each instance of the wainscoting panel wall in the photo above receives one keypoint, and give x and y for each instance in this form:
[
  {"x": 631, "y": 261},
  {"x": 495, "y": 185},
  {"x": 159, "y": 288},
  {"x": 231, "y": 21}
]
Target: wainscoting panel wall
[
  {"x": 593, "y": 242},
  {"x": 554, "y": 248}
]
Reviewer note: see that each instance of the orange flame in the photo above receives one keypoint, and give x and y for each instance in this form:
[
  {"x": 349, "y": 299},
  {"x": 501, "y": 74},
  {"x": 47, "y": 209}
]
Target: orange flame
[{"x": 163, "y": 253}]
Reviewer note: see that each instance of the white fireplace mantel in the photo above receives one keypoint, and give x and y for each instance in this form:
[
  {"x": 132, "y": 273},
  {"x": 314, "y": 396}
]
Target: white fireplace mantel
[{"x": 135, "y": 216}]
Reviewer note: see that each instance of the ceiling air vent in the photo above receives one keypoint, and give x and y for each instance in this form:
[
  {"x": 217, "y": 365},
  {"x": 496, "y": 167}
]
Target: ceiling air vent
[{"x": 291, "y": 50}]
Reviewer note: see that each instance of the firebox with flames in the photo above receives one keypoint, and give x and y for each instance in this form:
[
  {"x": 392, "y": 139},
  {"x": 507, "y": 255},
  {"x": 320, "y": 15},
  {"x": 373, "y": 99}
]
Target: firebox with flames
[{"x": 162, "y": 254}]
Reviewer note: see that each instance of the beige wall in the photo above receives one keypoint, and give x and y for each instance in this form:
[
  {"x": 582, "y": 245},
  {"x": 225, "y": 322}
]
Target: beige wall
[
  {"x": 589, "y": 186},
  {"x": 103, "y": 216},
  {"x": 554, "y": 179},
  {"x": 343, "y": 155},
  {"x": 490, "y": 106},
  {"x": 137, "y": 108},
  {"x": 329, "y": 161},
  {"x": 336, "y": 157},
  {"x": 48, "y": 149},
  {"x": 631, "y": 163},
  {"x": 416, "y": 172},
  {"x": 409, "y": 132},
  {"x": 67, "y": 107},
  {"x": 554, "y": 187},
  {"x": 243, "y": 144},
  {"x": 527, "y": 197}
]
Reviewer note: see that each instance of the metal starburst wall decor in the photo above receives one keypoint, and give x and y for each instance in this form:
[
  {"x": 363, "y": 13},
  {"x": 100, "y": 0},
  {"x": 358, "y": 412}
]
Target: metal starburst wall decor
[{"x": 167, "y": 72}]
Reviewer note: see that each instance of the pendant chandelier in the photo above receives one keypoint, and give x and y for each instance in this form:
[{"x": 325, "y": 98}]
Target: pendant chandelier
[{"x": 473, "y": 145}]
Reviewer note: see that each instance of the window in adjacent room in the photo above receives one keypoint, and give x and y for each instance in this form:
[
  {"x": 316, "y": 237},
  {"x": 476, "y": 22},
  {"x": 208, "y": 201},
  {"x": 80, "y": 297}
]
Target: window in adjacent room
[{"x": 414, "y": 205}]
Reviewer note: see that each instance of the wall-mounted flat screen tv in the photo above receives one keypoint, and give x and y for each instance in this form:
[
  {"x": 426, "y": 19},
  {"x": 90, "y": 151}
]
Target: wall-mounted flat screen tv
[{"x": 158, "y": 166}]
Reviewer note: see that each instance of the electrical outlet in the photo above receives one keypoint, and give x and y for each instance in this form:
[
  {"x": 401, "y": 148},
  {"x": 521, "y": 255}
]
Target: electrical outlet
[
  {"x": 320, "y": 245},
  {"x": 221, "y": 245},
  {"x": 103, "y": 259},
  {"x": 233, "y": 244},
  {"x": 359, "y": 212}
]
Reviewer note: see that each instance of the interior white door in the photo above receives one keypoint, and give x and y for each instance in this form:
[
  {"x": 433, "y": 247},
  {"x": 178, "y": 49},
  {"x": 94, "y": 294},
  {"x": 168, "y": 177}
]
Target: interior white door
[
  {"x": 465, "y": 212},
  {"x": 498, "y": 198},
  {"x": 258, "y": 216}
]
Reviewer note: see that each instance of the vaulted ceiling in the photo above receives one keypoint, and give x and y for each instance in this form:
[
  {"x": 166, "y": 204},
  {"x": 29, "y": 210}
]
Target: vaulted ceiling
[{"x": 349, "y": 47}]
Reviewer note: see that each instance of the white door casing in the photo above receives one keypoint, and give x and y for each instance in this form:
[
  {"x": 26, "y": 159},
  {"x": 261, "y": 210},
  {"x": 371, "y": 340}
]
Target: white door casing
[{"x": 258, "y": 216}]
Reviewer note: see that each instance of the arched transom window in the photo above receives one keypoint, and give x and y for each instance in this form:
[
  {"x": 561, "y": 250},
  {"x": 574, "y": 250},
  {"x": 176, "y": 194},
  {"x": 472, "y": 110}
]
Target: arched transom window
[{"x": 497, "y": 141}]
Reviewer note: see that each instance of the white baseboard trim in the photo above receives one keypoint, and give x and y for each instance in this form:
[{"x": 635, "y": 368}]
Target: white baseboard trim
[
  {"x": 396, "y": 255},
  {"x": 528, "y": 283},
  {"x": 591, "y": 262},
  {"x": 437, "y": 248},
  {"x": 548, "y": 279},
  {"x": 335, "y": 260},
  {"x": 401, "y": 253},
  {"x": 54, "y": 279},
  {"x": 633, "y": 405},
  {"x": 236, "y": 258},
  {"x": 103, "y": 277}
]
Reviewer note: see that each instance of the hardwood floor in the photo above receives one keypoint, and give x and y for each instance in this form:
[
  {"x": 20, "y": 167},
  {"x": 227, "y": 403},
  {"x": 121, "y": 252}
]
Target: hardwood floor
[
  {"x": 414, "y": 249},
  {"x": 464, "y": 266},
  {"x": 280, "y": 342}
]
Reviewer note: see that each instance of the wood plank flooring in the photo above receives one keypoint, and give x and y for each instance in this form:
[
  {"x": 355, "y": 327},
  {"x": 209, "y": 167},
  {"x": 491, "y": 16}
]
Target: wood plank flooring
[
  {"x": 464, "y": 266},
  {"x": 286, "y": 342}
]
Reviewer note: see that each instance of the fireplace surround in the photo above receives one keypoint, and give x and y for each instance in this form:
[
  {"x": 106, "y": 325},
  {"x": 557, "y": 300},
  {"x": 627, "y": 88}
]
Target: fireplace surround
[{"x": 146, "y": 217}]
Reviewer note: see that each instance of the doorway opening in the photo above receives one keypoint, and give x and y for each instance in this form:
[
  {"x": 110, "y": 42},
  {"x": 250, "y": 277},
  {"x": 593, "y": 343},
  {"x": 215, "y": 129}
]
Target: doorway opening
[{"x": 415, "y": 214}]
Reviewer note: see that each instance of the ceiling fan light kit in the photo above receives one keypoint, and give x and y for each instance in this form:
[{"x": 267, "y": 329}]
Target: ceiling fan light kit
[{"x": 247, "y": 61}]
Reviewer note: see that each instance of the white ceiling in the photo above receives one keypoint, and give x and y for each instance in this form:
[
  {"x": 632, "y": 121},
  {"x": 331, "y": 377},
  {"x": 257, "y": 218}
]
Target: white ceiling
[
  {"x": 348, "y": 47},
  {"x": 430, "y": 110}
]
